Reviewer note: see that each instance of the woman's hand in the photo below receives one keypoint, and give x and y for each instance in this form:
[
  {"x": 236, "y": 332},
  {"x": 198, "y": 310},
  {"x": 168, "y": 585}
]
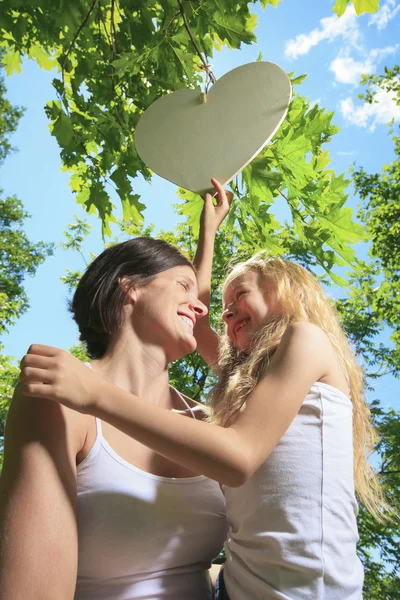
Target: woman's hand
[
  {"x": 51, "y": 373},
  {"x": 213, "y": 215}
]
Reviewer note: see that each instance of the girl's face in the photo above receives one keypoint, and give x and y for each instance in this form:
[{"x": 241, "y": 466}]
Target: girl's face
[
  {"x": 249, "y": 300},
  {"x": 166, "y": 311}
]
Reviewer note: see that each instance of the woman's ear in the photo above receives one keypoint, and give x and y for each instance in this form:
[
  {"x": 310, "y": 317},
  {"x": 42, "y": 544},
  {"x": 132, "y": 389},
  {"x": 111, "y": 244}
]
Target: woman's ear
[{"x": 130, "y": 290}]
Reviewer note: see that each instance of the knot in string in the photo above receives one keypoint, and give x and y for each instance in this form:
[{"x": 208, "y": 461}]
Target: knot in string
[{"x": 210, "y": 78}]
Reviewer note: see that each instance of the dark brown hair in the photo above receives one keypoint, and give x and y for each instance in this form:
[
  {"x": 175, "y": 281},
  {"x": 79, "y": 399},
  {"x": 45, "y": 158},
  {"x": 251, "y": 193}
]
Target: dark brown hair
[{"x": 98, "y": 299}]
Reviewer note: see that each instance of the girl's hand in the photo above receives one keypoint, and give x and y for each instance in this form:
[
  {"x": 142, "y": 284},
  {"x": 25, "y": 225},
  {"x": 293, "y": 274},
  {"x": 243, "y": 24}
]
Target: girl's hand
[
  {"x": 51, "y": 373},
  {"x": 213, "y": 215}
]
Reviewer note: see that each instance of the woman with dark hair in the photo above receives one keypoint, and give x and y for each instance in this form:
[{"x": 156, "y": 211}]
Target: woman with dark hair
[{"x": 86, "y": 512}]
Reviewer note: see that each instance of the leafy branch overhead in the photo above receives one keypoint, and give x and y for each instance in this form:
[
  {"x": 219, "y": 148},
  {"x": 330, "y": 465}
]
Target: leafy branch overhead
[{"x": 113, "y": 58}]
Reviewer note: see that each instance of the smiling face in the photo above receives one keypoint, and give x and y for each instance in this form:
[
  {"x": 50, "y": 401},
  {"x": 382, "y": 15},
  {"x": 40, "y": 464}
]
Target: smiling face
[
  {"x": 249, "y": 301},
  {"x": 166, "y": 310}
]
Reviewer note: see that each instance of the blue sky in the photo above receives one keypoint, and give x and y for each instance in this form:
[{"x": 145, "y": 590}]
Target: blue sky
[{"x": 305, "y": 37}]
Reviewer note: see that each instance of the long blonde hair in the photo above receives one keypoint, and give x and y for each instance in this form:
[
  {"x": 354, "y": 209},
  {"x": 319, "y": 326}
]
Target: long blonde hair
[{"x": 302, "y": 299}]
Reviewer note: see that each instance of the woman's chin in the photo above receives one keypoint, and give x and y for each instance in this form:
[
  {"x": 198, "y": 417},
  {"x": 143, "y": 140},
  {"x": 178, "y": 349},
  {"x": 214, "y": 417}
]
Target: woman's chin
[{"x": 186, "y": 346}]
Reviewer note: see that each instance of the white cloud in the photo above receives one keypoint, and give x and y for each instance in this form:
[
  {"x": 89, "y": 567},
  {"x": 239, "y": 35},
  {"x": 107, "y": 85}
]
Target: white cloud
[
  {"x": 383, "y": 110},
  {"x": 381, "y": 53},
  {"x": 343, "y": 153},
  {"x": 349, "y": 70},
  {"x": 330, "y": 28},
  {"x": 385, "y": 14}
]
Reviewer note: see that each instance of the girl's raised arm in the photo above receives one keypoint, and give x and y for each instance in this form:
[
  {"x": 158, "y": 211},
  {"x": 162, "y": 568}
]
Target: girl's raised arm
[{"x": 211, "y": 218}]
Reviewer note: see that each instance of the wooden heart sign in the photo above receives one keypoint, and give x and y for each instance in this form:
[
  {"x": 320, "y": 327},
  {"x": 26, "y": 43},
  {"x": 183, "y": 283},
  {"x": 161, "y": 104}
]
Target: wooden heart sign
[{"x": 187, "y": 141}]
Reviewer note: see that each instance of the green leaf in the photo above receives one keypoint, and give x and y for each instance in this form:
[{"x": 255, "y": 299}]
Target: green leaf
[
  {"x": 62, "y": 129},
  {"x": 361, "y": 6},
  {"x": 322, "y": 161},
  {"x": 298, "y": 80},
  {"x": 12, "y": 62},
  {"x": 369, "y": 6},
  {"x": 91, "y": 147},
  {"x": 294, "y": 148},
  {"x": 99, "y": 199},
  {"x": 340, "y": 7},
  {"x": 340, "y": 281},
  {"x": 230, "y": 28},
  {"x": 76, "y": 182},
  {"x": 273, "y": 2},
  {"x": 294, "y": 152},
  {"x": 131, "y": 62},
  {"x": 191, "y": 208},
  {"x": 341, "y": 222},
  {"x": 82, "y": 197},
  {"x": 44, "y": 60},
  {"x": 131, "y": 206},
  {"x": 186, "y": 61}
]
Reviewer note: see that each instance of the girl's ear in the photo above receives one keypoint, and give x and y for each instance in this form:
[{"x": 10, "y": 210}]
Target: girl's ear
[{"x": 130, "y": 290}]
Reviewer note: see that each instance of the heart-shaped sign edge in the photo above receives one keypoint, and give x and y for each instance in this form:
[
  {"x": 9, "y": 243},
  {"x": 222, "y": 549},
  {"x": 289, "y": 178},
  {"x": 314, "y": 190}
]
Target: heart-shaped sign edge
[{"x": 187, "y": 141}]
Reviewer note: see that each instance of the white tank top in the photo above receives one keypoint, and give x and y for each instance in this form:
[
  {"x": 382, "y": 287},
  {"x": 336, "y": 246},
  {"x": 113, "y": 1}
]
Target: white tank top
[
  {"x": 141, "y": 536},
  {"x": 292, "y": 527}
]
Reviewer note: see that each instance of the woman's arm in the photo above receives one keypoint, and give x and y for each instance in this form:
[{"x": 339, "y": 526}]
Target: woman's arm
[
  {"x": 211, "y": 218},
  {"x": 229, "y": 455},
  {"x": 38, "y": 531}
]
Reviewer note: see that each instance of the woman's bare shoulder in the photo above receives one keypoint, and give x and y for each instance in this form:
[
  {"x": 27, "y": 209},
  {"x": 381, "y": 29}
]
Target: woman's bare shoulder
[{"x": 46, "y": 420}]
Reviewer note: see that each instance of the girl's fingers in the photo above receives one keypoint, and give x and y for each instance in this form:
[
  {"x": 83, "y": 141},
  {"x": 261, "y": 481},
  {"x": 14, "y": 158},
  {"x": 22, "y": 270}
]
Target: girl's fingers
[
  {"x": 220, "y": 190},
  {"x": 43, "y": 350},
  {"x": 208, "y": 198},
  {"x": 33, "y": 375},
  {"x": 224, "y": 196},
  {"x": 38, "y": 390},
  {"x": 36, "y": 360}
]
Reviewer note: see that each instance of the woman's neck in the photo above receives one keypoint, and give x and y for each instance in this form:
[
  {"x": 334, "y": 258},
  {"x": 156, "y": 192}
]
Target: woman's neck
[{"x": 137, "y": 368}]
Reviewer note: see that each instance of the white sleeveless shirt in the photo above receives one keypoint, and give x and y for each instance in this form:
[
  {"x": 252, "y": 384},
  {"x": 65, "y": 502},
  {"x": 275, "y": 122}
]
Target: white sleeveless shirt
[
  {"x": 141, "y": 536},
  {"x": 292, "y": 527}
]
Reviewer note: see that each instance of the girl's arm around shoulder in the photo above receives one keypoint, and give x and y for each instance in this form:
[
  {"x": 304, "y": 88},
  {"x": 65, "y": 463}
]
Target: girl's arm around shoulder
[
  {"x": 229, "y": 455},
  {"x": 232, "y": 454},
  {"x": 38, "y": 531}
]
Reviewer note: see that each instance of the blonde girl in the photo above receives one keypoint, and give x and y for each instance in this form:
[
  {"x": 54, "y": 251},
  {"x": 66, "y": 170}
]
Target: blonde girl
[{"x": 289, "y": 433}]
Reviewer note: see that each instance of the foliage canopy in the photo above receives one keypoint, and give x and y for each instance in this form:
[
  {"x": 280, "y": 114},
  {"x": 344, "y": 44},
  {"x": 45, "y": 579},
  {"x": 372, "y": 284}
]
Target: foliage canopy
[{"x": 115, "y": 57}]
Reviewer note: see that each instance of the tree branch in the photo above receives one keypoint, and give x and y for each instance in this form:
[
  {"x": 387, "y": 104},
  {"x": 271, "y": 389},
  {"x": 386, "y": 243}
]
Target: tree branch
[
  {"x": 187, "y": 27},
  {"x": 82, "y": 25}
]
